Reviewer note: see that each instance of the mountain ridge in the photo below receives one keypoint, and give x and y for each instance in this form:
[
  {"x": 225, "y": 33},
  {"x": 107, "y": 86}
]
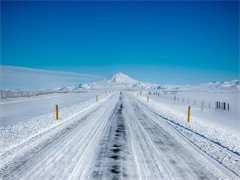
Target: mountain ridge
[{"x": 123, "y": 81}]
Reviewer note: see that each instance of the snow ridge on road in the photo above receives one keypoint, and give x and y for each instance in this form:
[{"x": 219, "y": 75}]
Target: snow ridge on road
[{"x": 13, "y": 135}]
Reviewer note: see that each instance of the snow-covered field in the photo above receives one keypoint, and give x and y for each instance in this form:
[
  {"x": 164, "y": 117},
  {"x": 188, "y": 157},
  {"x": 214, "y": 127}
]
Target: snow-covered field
[
  {"x": 203, "y": 106},
  {"x": 119, "y": 137},
  {"x": 20, "y": 109}
]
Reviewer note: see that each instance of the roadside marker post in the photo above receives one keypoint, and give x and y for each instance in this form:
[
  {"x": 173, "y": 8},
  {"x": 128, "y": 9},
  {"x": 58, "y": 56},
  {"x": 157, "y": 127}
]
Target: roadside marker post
[
  {"x": 189, "y": 112},
  {"x": 148, "y": 99},
  {"x": 97, "y": 98},
  {"x": 56, "y": 112}
]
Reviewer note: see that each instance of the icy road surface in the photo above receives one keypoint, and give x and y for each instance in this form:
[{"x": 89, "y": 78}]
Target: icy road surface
[{"x": 118, "y": 139}]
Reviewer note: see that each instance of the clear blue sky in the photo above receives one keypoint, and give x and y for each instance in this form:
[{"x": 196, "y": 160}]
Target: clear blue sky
[{"x": 162, "y": 42}]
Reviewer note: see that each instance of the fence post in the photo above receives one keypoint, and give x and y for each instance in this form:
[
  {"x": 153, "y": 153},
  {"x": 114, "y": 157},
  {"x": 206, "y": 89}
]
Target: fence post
[
  {"x": 148, "y": 99},
  {"x": 96, "y": 98},
  {"x": 56, "y": 112},
  {"x": 189, "y": 112}
]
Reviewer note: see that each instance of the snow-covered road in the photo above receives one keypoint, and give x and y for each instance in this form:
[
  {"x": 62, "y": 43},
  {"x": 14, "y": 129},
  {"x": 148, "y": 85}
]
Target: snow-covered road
[{"x": 117, "y": 139}]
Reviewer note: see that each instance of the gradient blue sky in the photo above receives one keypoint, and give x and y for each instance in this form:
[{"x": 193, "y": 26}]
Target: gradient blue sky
[{"x": 161, "y": 42}]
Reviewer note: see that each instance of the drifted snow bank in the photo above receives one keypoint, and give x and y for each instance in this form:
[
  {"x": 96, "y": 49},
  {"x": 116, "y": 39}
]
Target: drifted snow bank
[{"x": 15, "y": 134}]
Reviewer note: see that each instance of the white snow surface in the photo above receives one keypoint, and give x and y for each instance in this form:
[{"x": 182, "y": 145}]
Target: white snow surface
[
  {"x": 14, "y": 132},
  {"x": 21, "y": 109},
  {"x": 119, "y": 137}
]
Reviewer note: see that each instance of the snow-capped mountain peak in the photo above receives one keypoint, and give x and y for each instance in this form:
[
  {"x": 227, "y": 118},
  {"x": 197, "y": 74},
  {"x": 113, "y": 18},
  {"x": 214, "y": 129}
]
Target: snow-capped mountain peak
[
  {"x": 116, "y": 81},
  {"x": 121, "y": 78}
]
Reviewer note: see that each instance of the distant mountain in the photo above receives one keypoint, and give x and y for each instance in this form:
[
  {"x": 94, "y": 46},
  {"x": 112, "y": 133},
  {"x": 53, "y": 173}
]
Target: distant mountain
[
  {"x": 211, "y": 86},
  {"x": 121, "y": 78},
  {"x": 117, "y": 81},
  {"x": 123, "y": 81},
  {"x": 233, "y": 84}
]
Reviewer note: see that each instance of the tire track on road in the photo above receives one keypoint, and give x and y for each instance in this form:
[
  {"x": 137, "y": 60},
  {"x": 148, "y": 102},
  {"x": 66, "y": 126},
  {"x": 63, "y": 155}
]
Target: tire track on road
[{"x": 113, "y": 151}]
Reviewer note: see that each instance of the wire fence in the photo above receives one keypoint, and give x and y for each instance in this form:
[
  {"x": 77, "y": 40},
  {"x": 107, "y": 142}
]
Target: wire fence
[
  {"x": 5, "y": 94},
  {"x": 173, "y": 97}
]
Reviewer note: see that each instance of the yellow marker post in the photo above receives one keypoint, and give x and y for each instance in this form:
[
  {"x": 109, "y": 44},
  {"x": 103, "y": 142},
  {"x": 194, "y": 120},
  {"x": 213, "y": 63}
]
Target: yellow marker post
[
  {"x": 147, "y": 99},
  {"x": 97, "y": 98},
  {"x": 56, "y": 112},
  {"x": 189, "y": 112}
]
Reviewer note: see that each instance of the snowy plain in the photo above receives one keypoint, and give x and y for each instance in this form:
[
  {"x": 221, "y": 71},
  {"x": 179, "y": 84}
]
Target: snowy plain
[
  {"x": 222, "y": 118},
  {"x": 19, "y": 109}
]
